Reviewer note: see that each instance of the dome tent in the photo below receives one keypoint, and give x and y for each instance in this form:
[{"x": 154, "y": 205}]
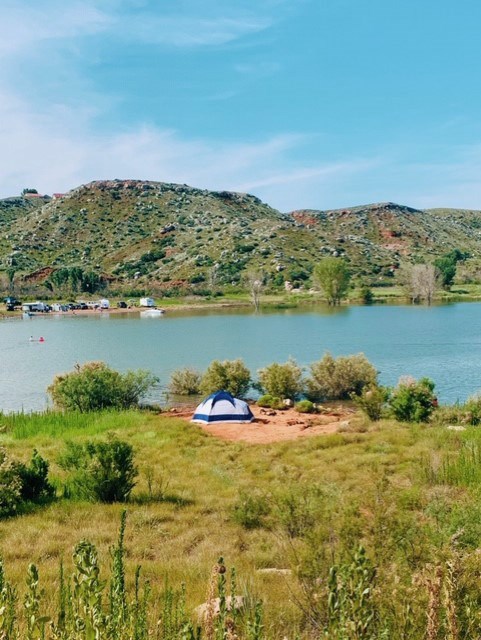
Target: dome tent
[{"x": 222, "y": 407}]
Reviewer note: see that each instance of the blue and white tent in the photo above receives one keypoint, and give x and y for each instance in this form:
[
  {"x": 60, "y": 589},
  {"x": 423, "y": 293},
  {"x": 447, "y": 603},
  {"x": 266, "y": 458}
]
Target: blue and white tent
[{"x": 222, "y": 407}]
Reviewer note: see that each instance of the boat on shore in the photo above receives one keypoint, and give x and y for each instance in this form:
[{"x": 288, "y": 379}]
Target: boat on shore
[{"x": 152, "y": 313}]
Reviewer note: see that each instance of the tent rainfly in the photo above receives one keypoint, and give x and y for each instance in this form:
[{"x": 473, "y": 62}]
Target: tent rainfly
[{"x": 222, "y": 407}]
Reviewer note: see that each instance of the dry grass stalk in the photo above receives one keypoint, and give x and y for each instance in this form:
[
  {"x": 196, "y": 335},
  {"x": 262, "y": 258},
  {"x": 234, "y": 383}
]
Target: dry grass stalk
[
  {"x": 434, "y": 589},
  {"x": 450, "y": 591}
]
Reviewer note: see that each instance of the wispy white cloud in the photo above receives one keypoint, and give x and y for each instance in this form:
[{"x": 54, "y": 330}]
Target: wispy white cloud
[
  {"x": 191, "y": 31},
  {"x": 59, "y": 149},
  {"x": 25, "y": 25}
]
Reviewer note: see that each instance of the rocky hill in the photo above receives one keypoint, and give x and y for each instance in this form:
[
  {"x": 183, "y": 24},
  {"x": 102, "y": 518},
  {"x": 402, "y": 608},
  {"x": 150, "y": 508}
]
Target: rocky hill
[{"x": 161, "y": 236}]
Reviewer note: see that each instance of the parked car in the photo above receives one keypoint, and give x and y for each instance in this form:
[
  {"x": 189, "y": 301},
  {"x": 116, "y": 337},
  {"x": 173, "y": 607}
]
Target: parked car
[
  {"x": 11, "y": 303},
  {"x": 121, "y": 304}
]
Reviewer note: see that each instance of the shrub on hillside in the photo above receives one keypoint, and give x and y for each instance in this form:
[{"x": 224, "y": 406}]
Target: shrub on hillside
[
  {"x": 95, "y": 386},
  {"x": 282, "y": 380},
  {"x": 372, "y": 401},
  {"x": 338, "y": 378},
  {"x": 103, "y": 471},
  {"x": 230, "y": 375},
  {"x": 185, "y": 382},
  {"x": 413, "y": 400}
]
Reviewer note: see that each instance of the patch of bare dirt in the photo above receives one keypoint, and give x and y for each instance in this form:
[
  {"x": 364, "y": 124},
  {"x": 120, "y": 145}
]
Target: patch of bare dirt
[{"x": 274, "y": 426}]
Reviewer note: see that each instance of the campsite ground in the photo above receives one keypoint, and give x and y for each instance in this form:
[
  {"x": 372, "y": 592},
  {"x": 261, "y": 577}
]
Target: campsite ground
[{"x": 275, "y": 426}]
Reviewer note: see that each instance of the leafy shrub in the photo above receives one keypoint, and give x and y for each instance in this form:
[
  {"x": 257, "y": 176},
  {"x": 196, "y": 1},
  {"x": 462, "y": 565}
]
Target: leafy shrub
[
  {"x": 305, "y": 406},
  {"x": 95, "y": 386},
  {"x": 20, "y": 483},
  {"x": 10, "y": 485},
  {"x": 338, "y": 378},
  {"x": 250, "y": 510},
  {"x": 271, "y": 402},
  {"x": 367, "y": 295},
  {"x": 230, "y": 375},
  {"x": 34, "y": 479},
  {"x": 413, "y": 400},
  {"x": 282, "y": 380},
  {"x": 372, "y": 401},
  {"x": 185, "y": 382},
  {"x": 265, "y": 400},
  {"x": 103, "y": 471}
]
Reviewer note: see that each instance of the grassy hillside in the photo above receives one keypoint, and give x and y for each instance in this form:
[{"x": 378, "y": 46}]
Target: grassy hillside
[
  {"x": 408, "y": 494},
  {"x": 158, "y": 236}
]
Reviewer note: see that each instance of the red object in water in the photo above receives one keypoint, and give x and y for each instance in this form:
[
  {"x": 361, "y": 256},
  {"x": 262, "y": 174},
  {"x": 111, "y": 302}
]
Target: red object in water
[{"x": 41, "y": 339}]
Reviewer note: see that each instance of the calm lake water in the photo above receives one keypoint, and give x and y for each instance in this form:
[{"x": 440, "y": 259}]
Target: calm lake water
[{"x": 442, "y": 342}]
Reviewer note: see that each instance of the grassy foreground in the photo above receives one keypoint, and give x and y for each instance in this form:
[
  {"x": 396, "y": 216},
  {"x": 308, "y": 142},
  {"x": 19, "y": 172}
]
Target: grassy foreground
[{"x": 408, "y": 494}]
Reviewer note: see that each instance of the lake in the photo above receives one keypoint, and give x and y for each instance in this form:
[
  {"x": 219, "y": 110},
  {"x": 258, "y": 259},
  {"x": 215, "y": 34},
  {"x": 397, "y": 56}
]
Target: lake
[{"x": 441, "y": 342}]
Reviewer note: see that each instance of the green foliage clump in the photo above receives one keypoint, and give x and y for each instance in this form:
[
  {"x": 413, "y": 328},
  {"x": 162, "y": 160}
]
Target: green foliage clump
[
  {"x": 185, "y": 382},
  {"x": 270, "y": 402},
  {"x": 34, "y": 477},
  {"x": 95, "y": 386},
  {"x": 367, "y": 295},
  {"x": 265, "y": 400},
  {"x": 282, "y": 380},
  {"x": 20, "y": 483},
  {"x": 446, "y": 265},
  {"x": 251, "y": 510},
  {"x": 10, "y": 485},
  {"x": 230, "y": 375},
  {"x": 103, "y": 471},
  {"x": 413, "y": 400},
  {"x": 337, "y": 378},
  {"x": 305, "y": 406},
  {"x": 372, "y": 401},
  {"x": 333, "y": 277}
]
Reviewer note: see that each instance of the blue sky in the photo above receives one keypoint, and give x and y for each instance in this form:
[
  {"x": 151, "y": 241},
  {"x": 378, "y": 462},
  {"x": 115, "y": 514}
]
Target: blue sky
[{"x": 304, "y": 103}]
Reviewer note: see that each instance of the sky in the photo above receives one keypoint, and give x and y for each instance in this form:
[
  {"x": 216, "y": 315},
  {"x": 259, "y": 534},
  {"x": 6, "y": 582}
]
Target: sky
[{"x": 304, "y": 103}]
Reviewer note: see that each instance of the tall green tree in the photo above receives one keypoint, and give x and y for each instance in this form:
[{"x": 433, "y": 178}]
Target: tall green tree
[
  {"x": 332, "y": 275},
  {"x": 447, "y": 264}
]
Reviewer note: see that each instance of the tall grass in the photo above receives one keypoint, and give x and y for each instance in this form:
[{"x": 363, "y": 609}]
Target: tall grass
[
  {"x": 55, "y": 424},
  {"x": 87, "y": 609},
  {"x": 462, "y": 468}
]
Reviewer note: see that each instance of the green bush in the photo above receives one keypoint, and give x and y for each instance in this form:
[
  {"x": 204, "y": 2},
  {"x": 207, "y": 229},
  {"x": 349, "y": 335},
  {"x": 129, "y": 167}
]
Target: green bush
[
  {"x": 230, "y": 375},
  {"x": 251, "y": 510},
  {"x": 20, "y": 483},
  {"x": 185, "y": 382},
  {"x": 10, "y": 485},
  {"x": 34, "y": 479},
  {"x": 265, "y": 400},
  {"x": 305, "y": 406},
  {"x": 282, "y": 380},
  {"x": 413, "y": 400},
  {"x": 338, "y": 378},
  {"x": 94, "y": 386},
  {"x": 372, "y": 401},
  {"x": 103, "y": 471}
]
